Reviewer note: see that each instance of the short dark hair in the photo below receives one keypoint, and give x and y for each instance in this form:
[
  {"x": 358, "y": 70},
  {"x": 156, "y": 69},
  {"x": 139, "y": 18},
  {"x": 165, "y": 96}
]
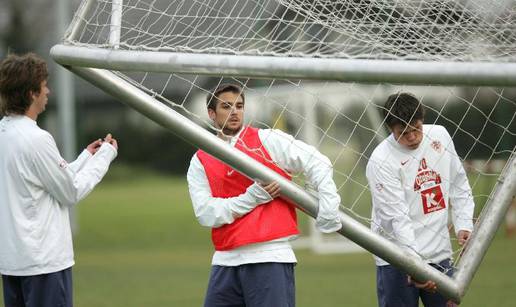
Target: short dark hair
[
  {"x": 212, "y": 99},
  {"x": 402, "y": 109},
  {"x": 20, "y": 75}
]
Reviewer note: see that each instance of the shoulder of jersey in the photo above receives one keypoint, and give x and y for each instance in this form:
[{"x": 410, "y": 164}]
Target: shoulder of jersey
[
  {"x": 381, "y": 150},
  {"x": 437, "y": 130}
]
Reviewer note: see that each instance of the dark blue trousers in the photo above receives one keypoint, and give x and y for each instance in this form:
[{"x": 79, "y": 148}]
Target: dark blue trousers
[
  {"x": 252, "y": 285},
  {"x": 46, "y": 290},
  {"x": 393, "y": 289}
]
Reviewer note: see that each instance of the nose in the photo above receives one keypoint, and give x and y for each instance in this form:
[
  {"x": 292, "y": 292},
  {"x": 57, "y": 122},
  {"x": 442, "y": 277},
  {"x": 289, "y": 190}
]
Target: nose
[{"x": 411, "y": 136}]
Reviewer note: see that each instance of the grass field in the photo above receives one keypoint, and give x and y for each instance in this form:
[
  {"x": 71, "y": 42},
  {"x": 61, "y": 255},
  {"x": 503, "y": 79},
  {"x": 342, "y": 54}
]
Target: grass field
[{"x": 139, "y": 245}]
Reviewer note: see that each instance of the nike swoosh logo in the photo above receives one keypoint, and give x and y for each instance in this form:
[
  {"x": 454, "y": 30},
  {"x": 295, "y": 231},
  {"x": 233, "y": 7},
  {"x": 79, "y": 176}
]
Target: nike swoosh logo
[{"x": 404, "y": 162}]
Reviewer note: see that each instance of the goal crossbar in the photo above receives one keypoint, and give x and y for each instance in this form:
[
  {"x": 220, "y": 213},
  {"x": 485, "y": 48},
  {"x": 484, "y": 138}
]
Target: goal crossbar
[{"x": 356, "y": 70}]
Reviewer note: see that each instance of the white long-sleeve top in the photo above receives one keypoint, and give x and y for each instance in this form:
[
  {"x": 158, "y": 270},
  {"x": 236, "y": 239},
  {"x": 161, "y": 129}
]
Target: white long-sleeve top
[
  {"x": 413, "y": 190},
  {"x": 37, "y": 188},
  {"x": 291, "y": 155}
]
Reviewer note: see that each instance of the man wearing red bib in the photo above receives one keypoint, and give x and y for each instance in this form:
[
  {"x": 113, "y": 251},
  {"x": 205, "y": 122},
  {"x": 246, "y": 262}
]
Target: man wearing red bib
[{"x": 253, "y": 263}]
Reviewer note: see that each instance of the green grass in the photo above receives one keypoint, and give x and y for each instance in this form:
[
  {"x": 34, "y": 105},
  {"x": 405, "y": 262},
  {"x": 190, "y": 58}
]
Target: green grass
[{"x": 139, "y": 245}]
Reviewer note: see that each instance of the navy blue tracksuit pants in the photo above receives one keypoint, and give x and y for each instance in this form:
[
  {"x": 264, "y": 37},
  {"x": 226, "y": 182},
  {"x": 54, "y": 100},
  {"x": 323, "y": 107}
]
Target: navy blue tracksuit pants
[
  {"x": 393, "y": 289},
  {"x": 45, "y": 290},
  {"x": 252, "y": 285}
]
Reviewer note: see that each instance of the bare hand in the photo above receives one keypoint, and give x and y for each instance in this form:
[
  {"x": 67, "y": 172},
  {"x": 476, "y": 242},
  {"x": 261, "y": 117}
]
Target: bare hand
[
  {"x": 109, "y": 139},
  {"x": 429, "y": 285},
  {"x": 272, "y": 188},
  {"x": 463, "y": 237},
  {"x": 94, "y": 146}
]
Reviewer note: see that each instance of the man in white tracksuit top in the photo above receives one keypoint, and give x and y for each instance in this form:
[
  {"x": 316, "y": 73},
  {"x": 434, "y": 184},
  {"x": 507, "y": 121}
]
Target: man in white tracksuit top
[
  {"x": 253, "y": 263},
  {"x": 37, "y": 189},
  {"x": 415, "y": 178}
]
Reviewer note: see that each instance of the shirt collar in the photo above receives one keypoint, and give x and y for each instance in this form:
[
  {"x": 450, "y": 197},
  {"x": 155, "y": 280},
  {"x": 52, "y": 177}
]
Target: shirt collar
[
  {"x": 18, "y": 117},
  {"x": 231, "y": 140}
]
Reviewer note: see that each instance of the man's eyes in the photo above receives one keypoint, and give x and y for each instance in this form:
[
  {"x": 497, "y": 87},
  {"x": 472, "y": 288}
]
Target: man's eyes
[
  {"x": 228, "y": 106},
  {"x": 407, "y": 132}
]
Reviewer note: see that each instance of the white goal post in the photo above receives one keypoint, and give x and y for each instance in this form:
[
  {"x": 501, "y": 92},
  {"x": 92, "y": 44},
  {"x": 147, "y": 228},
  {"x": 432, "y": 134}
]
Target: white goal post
[{"x": 449, "y": 53}]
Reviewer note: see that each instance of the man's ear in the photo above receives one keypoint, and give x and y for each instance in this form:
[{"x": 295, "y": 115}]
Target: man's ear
[
  {"x": 32, "y": 96},
  {"x": 212, "y": 114},
  {"x": 389, "y": 128}
]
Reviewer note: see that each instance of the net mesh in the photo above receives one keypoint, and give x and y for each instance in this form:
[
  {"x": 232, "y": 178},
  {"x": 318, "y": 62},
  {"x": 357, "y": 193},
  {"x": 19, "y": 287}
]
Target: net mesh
[{"x": 473, "y": 30}]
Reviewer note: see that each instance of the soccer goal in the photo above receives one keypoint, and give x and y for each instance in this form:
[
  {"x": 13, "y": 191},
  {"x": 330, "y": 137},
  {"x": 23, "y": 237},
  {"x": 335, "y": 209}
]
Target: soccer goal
[{"x": 320, "y": 70}]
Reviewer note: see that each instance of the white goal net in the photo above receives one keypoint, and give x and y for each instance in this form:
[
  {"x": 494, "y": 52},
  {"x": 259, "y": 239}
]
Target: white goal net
[
  {"x": 460, "y": 30},
  {"x": 321, "y": 70}
]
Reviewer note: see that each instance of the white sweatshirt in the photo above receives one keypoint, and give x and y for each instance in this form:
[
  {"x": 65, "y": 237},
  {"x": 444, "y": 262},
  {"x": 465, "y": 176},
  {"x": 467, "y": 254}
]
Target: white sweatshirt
[
  {"x": 412, "y": 191},
  {"x": 289, "y": 154},
  {"x": 37, "y": 188}
]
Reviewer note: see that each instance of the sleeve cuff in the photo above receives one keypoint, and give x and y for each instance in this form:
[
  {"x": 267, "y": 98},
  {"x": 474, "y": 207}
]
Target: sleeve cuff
[
  {"x": 328, "y": 225},
  {"x": 109, "y": 150},
  {"x": 259, "y": 194},
  {"x": 464, "y": 227}
]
